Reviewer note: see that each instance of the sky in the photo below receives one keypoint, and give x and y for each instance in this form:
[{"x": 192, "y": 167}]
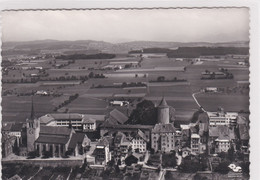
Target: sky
[{"x": 171, "y": 25}]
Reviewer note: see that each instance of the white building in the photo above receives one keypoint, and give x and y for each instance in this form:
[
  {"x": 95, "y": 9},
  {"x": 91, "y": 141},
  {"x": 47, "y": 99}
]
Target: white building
[
  {"x": 222, "y": 118},
  {"x": 139, "y": 141},
  {"x": 89, "y": 124},
  {"x": 195, "y": 143},
  {"x": 222, "y": 145}
]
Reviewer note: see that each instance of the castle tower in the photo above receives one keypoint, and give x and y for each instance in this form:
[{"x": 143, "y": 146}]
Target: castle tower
[
  {"x": 32, "y": 129},
  {"x": 163, "y": 112}
]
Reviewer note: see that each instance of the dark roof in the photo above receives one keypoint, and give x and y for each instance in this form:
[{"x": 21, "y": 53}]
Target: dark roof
[
  {"x": 241, "y": 120},
  {"x": 95, "y": 116},
  {"x": 55, "y": 130},
  {"x": 77, "y": 138},
  {"x": 118, "y": 116},
  {"x": 52, "y": 140},
  {"x": 163, "y": 103},
  {"x": 163, "y": 128},
  {"x": 243, "y": 132}
]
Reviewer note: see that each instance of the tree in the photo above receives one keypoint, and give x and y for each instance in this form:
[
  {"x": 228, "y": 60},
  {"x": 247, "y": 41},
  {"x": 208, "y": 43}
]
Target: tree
[
  {"x": 131, "y": 160},
  {"x": 145, "y": 113},
  {"x": 223, "y": 167},
  {"x": 161, "y": 79},
  {"x": 91, "y": 75},
  {"x": 231, "y": 153}
]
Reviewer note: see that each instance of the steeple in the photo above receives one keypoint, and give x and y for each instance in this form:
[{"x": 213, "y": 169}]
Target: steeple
[
  {"x": 163, "y": 103},
  {"x": 32, "y": 110}
]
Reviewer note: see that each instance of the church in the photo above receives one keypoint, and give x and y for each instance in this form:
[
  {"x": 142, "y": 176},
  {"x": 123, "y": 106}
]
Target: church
[{"x": 47, "y": 139}]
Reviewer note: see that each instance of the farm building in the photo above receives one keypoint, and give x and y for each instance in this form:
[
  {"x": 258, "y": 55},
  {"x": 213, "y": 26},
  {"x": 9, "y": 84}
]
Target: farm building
[{"x": 211, "y": 89}]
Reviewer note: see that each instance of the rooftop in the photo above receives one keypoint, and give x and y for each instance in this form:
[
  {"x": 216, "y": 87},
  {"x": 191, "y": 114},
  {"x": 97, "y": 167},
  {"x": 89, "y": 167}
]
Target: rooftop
[
  {"x": 52, "y": 139},
  {"x": 195, "y": 136},
  {"x": 163, "y": 103},
  {"x": 222, "y": 132},
  {"x": 55, "y": 130},
  {"x": 118, "y": 116},
  {"x": 163, "y": 128}
]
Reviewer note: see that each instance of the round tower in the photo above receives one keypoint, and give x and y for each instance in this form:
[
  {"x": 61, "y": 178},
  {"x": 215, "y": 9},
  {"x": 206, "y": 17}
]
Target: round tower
[{"x": 163, "y": 112}]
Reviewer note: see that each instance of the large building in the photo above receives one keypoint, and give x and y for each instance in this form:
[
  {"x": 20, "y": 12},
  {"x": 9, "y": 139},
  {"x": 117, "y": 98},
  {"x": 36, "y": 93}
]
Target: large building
[
  {"x": 163, "y": 137},
  {"x": 222, "y": 118}
]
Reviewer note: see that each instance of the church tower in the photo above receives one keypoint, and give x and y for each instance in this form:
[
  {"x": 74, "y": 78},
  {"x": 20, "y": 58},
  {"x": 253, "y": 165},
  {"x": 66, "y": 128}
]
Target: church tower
[
  {"x": 32, "y": 129},
  {"x": 163, "y": 112}
]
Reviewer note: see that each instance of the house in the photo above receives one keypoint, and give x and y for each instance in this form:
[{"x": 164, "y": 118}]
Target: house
[
  {"x": 195, "y": 143},
  {"x": 163, "y": 137},
  {"x": 211, "y": 89},
  {"x": 89, "y": 124},
  {"x": 221, "y": 138},
  {"x": 139, "y": 141},
  {"x": 102, "y": 153},
  {"x": 243, "y": 133},
  {"x": 121, "y": 146}
]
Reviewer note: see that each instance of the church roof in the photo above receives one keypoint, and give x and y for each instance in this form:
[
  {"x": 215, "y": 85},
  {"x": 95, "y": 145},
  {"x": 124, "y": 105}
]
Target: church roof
[
  {"x": 163, "y": 103},
  {"x": 52, "y": 139},
  {"x": 55, "y": 130}
]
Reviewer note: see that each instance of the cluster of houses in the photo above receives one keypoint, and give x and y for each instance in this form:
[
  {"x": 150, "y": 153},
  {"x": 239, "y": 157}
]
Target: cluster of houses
[{"x": 73, "y": 134}]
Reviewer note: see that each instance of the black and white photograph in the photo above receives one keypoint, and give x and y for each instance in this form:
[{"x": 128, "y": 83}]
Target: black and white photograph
[{"x": 122, "y": 94}]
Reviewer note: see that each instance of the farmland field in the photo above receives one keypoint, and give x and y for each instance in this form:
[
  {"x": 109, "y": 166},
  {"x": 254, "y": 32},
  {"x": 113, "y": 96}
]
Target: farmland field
[{"x": 230, "y": 102}]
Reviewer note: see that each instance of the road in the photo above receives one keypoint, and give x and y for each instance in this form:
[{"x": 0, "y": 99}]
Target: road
[{"x": 193, "y": 95}]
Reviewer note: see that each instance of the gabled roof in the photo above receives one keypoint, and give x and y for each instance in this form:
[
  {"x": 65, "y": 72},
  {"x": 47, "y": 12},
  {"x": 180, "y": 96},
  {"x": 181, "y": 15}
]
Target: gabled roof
[
  {"x": 77, "y": 138},
  {"x": 52, "y": 139},
  {"x": 46, "y": 119},
  {"x": 118, "y": 116},
  {"x": 103, "y": 142},
  {"x": 163, "y": 128},
  {"x": 55, "y": 130},
  {"x": 88, "y": 120}
]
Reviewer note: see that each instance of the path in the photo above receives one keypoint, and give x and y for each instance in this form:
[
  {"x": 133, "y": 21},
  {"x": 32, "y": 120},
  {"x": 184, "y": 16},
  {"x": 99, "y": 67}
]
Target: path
[{"x": 193, "y": 95}]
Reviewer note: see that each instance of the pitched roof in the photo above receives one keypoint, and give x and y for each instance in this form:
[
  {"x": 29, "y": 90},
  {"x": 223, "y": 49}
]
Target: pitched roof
[
  {"x": 46, "y": 119},
  {"x": 55, "y": 130},
  {"x": 88, "y": 120},
  {"x": 163, "y": 128},
  {"x": 141, "y": 135},
  {"x": 241, "y": 120},
  {"x": 52, "y": 139},
  {"x": 67, "y": 116},
  {"x": 76, "y": 139},
  {"x": 118, "y": 116},
  {"x": 163, "y": 103},
  {"x": 103, "y": 142}
]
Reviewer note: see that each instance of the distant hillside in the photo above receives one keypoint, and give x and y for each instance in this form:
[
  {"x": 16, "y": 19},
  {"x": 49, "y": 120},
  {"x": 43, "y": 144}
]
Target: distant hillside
[{"x": 71, "y": 47}]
